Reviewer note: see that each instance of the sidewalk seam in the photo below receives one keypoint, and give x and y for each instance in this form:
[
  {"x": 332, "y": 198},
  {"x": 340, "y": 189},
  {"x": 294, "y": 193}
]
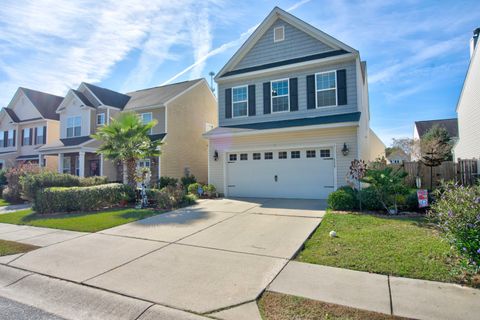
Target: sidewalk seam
[
  {"x": 143, "y": 312},
  {"x": 390, "y": 295},
  {"x": 18, "y": 280}
]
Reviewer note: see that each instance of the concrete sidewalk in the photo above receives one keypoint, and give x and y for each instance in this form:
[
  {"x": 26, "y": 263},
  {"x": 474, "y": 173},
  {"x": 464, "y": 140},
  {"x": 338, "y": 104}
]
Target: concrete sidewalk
[{"x": 403, "y": 297}]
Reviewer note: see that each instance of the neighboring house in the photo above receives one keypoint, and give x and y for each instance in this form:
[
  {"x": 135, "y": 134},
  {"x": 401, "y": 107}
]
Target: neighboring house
[
  {"x": 398, "y": 156},
  {"x": 293, "y": 114},
  {"x": 468, "y": 107},
  {"x": 422, "y": 127},
  {"x": 27, "y": 123},
  {"x": 184, "y": 111}
]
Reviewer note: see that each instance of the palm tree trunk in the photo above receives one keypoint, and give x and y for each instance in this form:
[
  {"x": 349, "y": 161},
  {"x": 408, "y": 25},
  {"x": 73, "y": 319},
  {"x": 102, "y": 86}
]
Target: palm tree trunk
[{"x": 131, "y": 168}]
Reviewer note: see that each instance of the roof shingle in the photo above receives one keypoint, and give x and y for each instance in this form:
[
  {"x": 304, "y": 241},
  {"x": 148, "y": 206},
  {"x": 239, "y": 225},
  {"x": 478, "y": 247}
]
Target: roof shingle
[
  {"x": 45, "y": 103},
  {"x": 451, "y": 125}
]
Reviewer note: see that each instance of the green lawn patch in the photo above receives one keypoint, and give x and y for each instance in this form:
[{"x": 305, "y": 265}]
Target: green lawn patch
[
  {"x": 285, "y": 307},
  {"x": 86, "y": 222},
  {"x": 399, "y": 246},
  {"x": 10, "y": 247},
  {"x": 4, "y": 202}
]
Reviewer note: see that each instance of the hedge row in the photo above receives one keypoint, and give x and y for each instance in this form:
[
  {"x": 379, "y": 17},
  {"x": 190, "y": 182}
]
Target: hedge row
[{"x": 68, "y": 199}]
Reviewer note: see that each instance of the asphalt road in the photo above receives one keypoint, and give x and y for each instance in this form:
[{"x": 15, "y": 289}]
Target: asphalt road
[{"x": 12, "y": 310}]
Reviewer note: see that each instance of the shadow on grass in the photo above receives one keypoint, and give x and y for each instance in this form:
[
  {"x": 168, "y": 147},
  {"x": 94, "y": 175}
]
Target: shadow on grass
[{"x": 419, "y": 220}]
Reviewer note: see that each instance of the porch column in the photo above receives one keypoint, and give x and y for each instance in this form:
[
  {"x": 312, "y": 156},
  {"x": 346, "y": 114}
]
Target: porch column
[
  {"x": 40, "y": 160},
  {"x": 60, "y": 163},
  {"x": 81, "y": 164},
  {"x": 125, "y": 173},
  {"x": 101, "y": 164}
]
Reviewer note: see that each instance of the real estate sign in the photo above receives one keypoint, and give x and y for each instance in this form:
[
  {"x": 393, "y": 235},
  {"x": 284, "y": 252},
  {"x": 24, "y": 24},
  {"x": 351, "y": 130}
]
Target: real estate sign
[{"x": 422, "y": 196}]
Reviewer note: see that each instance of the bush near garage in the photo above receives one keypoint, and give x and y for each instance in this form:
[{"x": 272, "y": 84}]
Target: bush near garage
[
  {"x": 74, "y": 199},
  {"x": 169, "y": 197},
  {"x": 188, "y": 179},
  {"x": 342, "y": 199},
  {"x": 167, "y": 181},
  {"x": 370, "y": 199},
  {"x": 208, "y": 190},
  {"x": 32, "y": 183}
]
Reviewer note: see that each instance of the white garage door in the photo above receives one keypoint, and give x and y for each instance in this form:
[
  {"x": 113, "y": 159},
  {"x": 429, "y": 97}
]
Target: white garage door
[{"x": 293, "y": 173}]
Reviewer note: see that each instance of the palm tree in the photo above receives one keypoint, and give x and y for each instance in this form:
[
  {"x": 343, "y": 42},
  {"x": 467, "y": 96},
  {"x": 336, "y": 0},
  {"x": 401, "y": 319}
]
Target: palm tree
[{"x": 126, "y": 139}]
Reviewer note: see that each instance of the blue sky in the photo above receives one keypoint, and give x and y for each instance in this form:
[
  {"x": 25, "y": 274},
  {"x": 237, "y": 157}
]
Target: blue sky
[{"x": 417, "y": 51}]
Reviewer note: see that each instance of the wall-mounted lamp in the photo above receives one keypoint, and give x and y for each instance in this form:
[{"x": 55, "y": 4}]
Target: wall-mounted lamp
[
  {"x": 345, "y": 149},
  {"x": 215, "y": 155}
]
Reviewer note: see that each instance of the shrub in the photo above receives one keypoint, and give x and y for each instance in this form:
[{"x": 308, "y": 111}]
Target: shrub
[
  {"x": 370, "y": 199},
  {"x": 210, "y": 190},
  {"x": 457, "y": 212},
  {"x": 193, "y": 188},
  {"x": 188, "y": 179},
  {"x": 3, "y": 178},
  {"x": 61, "y": 199},
  {"x": 168, "y": 197},
  {"x": 13, "y": 191},
  {"x": 341, "y": 199},
  {"x": 93, "y": 181},
  {"x": 167, "y": 181}
]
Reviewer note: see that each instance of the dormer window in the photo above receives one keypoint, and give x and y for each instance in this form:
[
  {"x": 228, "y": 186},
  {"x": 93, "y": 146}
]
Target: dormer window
[
  {"x": 279, "y": 34},
  {"x": 74, "y": 127}
]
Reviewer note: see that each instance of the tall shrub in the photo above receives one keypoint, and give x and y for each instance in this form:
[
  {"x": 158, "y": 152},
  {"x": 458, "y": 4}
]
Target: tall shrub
[{"x": 13, "y": 191}]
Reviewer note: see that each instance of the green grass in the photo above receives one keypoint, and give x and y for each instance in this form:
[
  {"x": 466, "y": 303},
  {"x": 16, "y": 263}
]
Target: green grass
[
  {"x": 4, "y": 203},
  {"x": 277, "y": 306},
  {"x": 10, "y": 247},
  {"x": 86, "y": 222},
  {"x": 400, "y": 246}
]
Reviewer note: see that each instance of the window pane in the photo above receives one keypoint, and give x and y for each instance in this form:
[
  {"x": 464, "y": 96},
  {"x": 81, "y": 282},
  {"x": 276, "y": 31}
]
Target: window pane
[
  {"x": 295, "y": 154},
  {"x": 279, "y": 88},
  {"x": 239, "y": 94},
  {"x": 146, "y": 118},
  {"x": 282, "y": 155},
  {"x": 326, "y": 81},
  {"x": 326, "y": 98},
  {"x": 78, "y": 131},
  {"x": 325, "y": 153},
  {"x": 244, "y": 156},
  {"x": 311, "y": 154},
  {"x": 268, "y": 156},
  {"x": 69, "y": 132},
  {"x": 280, "y": 104},
  {"x": 240, "y": 109},
  {"x": 78, "y": 121},
  {"x": 257, "y": 156},
  {"x": 233, "y": 157}
]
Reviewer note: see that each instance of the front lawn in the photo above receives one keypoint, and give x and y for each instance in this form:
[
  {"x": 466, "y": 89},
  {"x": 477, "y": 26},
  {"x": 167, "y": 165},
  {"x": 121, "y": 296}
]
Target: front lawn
[
  {"x": 86, "y": 222},
  {"x": 4, "y": 202},
  {"x": 400, "y": 246},
  {"x": 10, "y": 247},
  {"x": 285, "y": 307}
]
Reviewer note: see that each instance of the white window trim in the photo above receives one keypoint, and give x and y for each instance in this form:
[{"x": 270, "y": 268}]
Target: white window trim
[
  {"x": 238, "y": 87},
  {"x": 288, "y": 95},
  {"x": 151, "y": 118},
  {"x": 67, "y": 127},
  {"x": 283, "y": 33},
  {"x": 336, "y": 90},
  {"x": 103, "y": 116}
]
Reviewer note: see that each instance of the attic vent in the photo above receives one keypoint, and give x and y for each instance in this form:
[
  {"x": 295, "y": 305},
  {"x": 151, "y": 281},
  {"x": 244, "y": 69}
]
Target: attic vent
[{"x": 279, "y": 34}]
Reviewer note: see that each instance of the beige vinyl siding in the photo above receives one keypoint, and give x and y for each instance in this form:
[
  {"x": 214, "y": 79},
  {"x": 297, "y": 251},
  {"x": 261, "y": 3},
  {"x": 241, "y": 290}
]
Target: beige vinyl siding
[
  {"x": 468, "y": 111},
  {"x": 185, "y": 147},
  {"x": 328, "y": 137},
  {"x": 376, "y": 147}
]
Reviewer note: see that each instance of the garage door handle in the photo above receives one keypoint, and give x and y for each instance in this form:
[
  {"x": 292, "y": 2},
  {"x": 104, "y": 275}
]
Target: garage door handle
[
  {"x": 331, "y": 187},
  {"x": 276, "y": 178}
]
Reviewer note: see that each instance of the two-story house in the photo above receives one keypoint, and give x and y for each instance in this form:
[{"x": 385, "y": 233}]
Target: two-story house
[
  {"x": 26, "y": 124},
  {"x": 293, "y": 113},
  {"x": 184, "y": 111}
]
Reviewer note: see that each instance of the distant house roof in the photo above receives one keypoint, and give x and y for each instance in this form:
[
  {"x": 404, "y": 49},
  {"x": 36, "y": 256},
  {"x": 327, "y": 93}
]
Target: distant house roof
[
  {"x": 108, "y": 97},
  {"x": 82, "y": 97},
  {"x": 311, "y": 121},
  {"x": 451, "y": 125},
  {"x": 45, "y": 103},
  {"x": 398, "y": 154},
  {"x": 157, "y": 96}
]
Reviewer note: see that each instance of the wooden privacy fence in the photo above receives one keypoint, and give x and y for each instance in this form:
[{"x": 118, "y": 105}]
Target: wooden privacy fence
[{"x": 464, "y": 171}]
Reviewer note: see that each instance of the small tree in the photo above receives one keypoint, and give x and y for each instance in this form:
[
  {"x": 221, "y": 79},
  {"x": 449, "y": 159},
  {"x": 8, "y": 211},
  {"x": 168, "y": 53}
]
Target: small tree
[
  {"x": 436, "y": 147},
  {"x": 407, "y": 145},
  {"x": 127, "y": 139}
]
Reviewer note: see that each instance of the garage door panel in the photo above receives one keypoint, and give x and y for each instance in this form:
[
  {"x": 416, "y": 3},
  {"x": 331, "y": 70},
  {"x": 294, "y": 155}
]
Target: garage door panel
[{"x": 304, "y": 178}]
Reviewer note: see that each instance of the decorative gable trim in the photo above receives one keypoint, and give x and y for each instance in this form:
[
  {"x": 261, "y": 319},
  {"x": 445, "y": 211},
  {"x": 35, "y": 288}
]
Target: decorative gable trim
[
  {"x": 68, "y": 97},
  {"x": 263, "y": 27}
]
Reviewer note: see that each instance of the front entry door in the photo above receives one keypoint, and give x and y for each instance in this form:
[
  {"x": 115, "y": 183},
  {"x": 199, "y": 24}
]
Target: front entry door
[{"x": 94, "y": 167}]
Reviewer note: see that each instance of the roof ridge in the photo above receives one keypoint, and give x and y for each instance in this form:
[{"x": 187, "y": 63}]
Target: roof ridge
[
  {"x": 166, "y": 85},
  {"x": 436, "y": 120},
  {"x": 103, "y": 88},
  {"x": 42, "y": 92}
]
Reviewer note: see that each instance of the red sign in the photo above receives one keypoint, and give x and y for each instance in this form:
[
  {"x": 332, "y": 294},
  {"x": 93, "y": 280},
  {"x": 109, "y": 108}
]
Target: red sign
[{"x": 422, "y": 196}]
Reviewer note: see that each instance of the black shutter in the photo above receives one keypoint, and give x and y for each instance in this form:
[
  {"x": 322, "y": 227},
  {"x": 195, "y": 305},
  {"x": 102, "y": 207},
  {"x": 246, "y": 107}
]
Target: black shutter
[
  {"x": 23, "y": 135},
  {"x": 266, "y": 98},
  {"x": 342, "y": 87},
  {"x": 14, "y": 137},
  {"x": 31, "y": 136},
  {"x": 228, "y": 103},
  {"x": 44, "y": 135},
  {"x": 5, "y": 139},
  {"x": 35, "y": 136},
  {"x": 293, "y": 94},
  {"x": 311, "y": 92},
  {"x": 251, "y": 100}
]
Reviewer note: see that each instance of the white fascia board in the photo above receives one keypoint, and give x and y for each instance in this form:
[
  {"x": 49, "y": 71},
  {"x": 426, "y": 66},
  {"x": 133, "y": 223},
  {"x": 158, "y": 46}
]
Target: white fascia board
[
  {"x": 294, "y": 66},
  {"x": 250, "y": 132}
]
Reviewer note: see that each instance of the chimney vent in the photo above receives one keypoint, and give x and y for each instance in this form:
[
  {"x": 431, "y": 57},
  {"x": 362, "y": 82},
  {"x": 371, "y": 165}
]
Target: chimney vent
[{"x": 474, "y": 40}]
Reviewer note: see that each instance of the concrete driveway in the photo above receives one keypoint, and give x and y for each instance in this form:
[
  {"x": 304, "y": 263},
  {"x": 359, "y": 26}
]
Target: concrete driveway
[{"x": 216, "y": 254}]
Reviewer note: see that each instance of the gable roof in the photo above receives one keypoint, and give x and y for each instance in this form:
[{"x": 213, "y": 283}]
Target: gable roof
[
  {"x": 158, "y": 96},
  {"x": 83, "y": 98},
  {"x": 108, "y": 97},
  {"x": 45, "y": 103},
  {"x": 12, "y": 114},
  {"x": 451, "y": 125},
  {"x": 263, "y": 27}
]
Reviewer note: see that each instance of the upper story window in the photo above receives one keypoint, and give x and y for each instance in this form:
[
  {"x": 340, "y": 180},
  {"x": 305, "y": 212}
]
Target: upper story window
[
  {"x": 146, "y": 118},
  {"x": 100, "y": 119},
  {"x": 326, "y": 87},
  {"x": 11, "y": 138},
  {"x": 280, "y": 96},
  {"x": 239, "y": 101},
  {"x": 279, "y": 34},
  {"x": 41, "y": 135},
  {"x": 26, "y": 136},
  {"x": 74, "y": 127}
]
